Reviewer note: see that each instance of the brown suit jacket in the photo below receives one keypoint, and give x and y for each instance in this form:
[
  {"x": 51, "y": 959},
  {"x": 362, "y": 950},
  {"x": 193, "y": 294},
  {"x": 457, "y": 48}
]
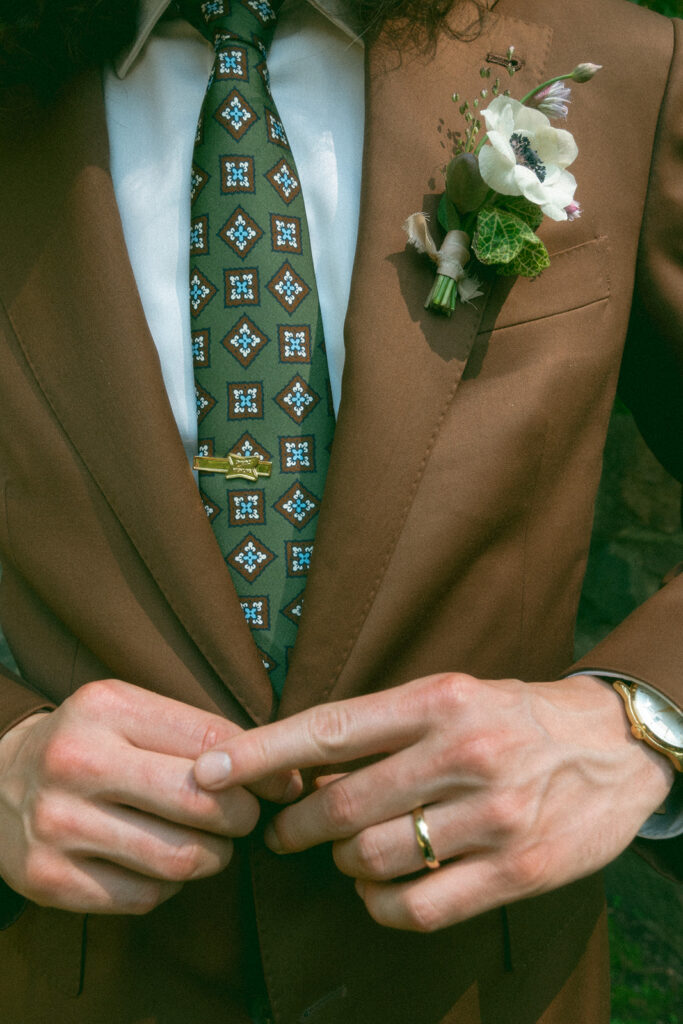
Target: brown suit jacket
[{"x": 453, "y": 535}]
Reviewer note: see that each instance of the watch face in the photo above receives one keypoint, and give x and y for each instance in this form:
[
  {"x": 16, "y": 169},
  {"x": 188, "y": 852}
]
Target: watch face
[{"x": 661, "y": 717}]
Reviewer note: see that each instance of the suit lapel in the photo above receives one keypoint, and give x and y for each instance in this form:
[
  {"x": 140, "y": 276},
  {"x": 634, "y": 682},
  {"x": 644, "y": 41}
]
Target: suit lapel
[
  {"x": 70, "y": 293},
  {"x": 403, "y": 365}
]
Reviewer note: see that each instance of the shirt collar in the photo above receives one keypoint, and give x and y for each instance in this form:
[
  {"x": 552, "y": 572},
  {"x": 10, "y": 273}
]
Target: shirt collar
[{"x": 152, "y": 10}]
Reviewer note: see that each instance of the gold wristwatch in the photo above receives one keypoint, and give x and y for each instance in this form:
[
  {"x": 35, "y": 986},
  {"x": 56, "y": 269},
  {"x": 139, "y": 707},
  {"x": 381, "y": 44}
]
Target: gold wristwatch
[{"x": 654, "y": 719}]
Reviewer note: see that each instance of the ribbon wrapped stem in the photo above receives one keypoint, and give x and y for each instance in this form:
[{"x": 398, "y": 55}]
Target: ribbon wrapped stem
[{"x": 451, "y": 258}]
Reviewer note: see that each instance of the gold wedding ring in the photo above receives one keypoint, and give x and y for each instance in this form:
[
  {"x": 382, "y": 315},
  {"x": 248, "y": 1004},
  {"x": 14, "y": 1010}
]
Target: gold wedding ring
[{"x": 423, "y": 839}]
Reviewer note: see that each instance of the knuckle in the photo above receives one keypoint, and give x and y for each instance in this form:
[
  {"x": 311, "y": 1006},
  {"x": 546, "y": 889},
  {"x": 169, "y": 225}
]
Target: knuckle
[
  {"x": 50, "y": 824},
  {"x": 44, "y": 877},
  {"x": 422, "y": 912},
  {"x": 92, "y": 698},
  {"x": 339, "y": 808},
  {"x": 372, "y": 861},
  {"x": 480, "y": 754},
  {"x": 64, "y": 757},
  {"x": 148, "y": 896},
  {"x": 448, "y": 692},
  {"x": 184, "y": 862},
  {"x": 244, "y": 816},
  {"x": 505, "y": 814},
  {"x": 525, "y": 870},
  {"x": 209, "y": 735},
  {"x": 329, "y": 728}
]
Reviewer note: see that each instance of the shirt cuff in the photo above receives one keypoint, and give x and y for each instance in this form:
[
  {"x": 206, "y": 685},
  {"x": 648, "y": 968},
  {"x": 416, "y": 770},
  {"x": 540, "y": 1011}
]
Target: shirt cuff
[{"x": 660, "y": 825}]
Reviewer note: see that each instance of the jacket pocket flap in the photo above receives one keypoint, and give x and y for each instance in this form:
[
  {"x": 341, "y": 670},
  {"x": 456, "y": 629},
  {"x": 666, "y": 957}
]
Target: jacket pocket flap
[{"x": 576, "y": 277}]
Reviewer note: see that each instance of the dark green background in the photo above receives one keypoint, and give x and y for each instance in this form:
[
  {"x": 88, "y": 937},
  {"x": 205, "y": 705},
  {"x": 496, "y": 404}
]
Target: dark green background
[{"x": 637, "y": 538}]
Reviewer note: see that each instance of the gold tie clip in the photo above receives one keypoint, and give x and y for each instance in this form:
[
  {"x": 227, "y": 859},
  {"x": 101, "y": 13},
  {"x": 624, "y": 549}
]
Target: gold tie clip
[{"x": 234, "y": 467}]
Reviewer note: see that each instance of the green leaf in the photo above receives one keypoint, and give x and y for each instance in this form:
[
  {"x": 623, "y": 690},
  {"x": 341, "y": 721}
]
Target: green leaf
[
  {"x": 506, "y": 240},
  {"x": 527, "y": 211},
  {"x": 499, "y": 235},
  {"x": 531, "y": 259},
  {"x": 447, "y": 215}
]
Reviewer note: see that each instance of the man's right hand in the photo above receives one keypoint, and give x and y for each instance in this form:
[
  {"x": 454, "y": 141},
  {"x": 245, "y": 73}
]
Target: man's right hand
[{"x": 99, "y": 808}]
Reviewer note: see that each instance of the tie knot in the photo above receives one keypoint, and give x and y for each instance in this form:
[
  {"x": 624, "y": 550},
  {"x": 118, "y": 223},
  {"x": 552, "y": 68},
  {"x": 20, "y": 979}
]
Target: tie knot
[{"x": 250, "y": 21}]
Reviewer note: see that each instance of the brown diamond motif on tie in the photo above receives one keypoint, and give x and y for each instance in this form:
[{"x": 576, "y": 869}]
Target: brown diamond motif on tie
[
  {"x": 295, "y": 343},
  {"x": 210, "y": 507},
  {"x": 199, "y": 241},
  {"x": 288, "y": 287},
  {"x": 235, "y": 115},
  {"x": 231, "y": 62},
  {"x": 293, "y": 610},
  {"x": 284, "y": 181},
  {"x": 245, "y": 400},
  {"x": 240, "y": 232},
  {"x": 201, "y": 292},
  {"x": 285, "y": 233},
  {"x": 250, "y": 557},
  {"x": 297, "y": 399},
  {"x": 298, "y": 506},
  {"x": 247, "y": 507},
  {"x": 242, "y": 287},
  {"x": 237, "y": 174},
  {"x": 256, "y": 612},
  {"x": 201, "y": 347},
  {"x": 247, "y": 445},
  {"x": 245, "y": 341},
  {"x": 276, "y": 131},
  {"x": 205, "y": 401},
  {"x": 199, "y": 180}
]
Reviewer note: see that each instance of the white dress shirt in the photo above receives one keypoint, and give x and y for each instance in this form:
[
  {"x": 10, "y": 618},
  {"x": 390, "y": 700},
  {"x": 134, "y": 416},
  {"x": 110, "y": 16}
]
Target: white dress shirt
[{"x": 153, "y": 98}]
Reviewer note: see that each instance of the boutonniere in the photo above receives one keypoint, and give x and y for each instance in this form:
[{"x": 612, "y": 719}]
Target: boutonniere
[{"x": 500, "y": 185}]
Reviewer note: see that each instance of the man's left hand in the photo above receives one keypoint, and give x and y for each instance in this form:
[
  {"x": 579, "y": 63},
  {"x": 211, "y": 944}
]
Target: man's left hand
[{"x": 525, "y": 787}]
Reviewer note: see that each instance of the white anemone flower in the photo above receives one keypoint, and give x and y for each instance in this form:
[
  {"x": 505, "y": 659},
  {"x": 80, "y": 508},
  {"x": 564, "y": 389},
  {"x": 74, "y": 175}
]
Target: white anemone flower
[{"x": 528, "y": 157}]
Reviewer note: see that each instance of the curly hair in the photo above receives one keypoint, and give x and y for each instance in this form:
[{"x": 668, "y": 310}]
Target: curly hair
[
  {"x": 46, "y": 42},
  {"x": 418, "y": 23}
]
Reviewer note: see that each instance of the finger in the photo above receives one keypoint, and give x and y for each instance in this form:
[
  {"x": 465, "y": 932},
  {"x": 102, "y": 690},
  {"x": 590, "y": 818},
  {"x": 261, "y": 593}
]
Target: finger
[
  {"x": 152, "y": 722},
  {"x": 450, "y": 894},
  {"x": 96, "y": 887},
  {"x": 376, "y": 793},
  {"x": 165, "y": 787},
  {"x": 384, "y": 852},
  {"x": 325, "y": 780},
  {"x": 327, "y": 734},
  {"x": 138, "y": 842}
]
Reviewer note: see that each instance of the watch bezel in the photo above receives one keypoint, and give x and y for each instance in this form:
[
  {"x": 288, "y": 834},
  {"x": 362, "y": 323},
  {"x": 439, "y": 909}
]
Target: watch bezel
[{"x": 640, "y": 730}]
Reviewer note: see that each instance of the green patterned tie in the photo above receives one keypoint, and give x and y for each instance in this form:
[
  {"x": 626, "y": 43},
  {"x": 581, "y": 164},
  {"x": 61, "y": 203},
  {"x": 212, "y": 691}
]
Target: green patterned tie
[{"x": 261, "y": 372}]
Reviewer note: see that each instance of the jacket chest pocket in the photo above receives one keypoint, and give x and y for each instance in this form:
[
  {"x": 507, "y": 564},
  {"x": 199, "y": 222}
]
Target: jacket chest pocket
[{"x": 577, "y": 277}]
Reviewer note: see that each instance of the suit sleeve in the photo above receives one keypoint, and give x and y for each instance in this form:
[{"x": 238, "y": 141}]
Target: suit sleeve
[
  {"x": 648, "y": 645},
  {"x": 18, "y": 701}
]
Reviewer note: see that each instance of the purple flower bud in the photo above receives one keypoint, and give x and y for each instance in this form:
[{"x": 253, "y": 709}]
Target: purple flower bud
[
  {"x": 573, "y": 211},
  {"x": 552, "y": 101}
]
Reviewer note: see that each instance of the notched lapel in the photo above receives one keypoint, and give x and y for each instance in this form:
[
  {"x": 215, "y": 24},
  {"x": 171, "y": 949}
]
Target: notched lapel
[
  {"x": 403, "y": 364},
  {"x": 71, "y": 295}
]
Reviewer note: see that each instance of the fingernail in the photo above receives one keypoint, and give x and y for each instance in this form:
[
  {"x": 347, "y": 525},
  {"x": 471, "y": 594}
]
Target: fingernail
[
  {"x": 271, "y": 840},
  {"x": 213, "y": 768}
]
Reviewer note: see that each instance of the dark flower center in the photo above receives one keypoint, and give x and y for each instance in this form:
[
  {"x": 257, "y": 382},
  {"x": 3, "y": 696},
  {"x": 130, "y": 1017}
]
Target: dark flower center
[{"x": 525, "y": 155}]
